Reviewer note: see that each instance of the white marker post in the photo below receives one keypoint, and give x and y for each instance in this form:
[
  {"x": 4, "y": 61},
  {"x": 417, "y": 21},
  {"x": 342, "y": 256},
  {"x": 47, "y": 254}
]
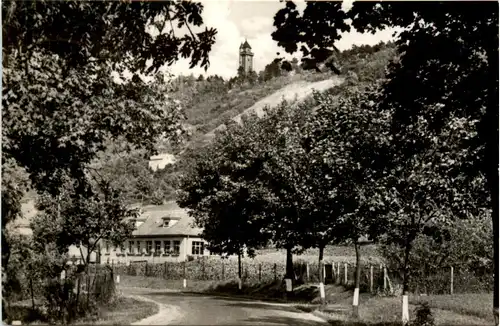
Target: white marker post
[
  {"x": 451, "y": 280},
  {"x": 117, "y": 279},
  {"x": 288, "y": 283},
  {"x": 355, "y": 303},
  {"x": 371, "y": 279},
  {"x": 322, "y": 282},
  {"x": 184, "y": 283},
  {"x": 405, "y": 316},
  {"x": 239, "y": 284},
  {"x": 345, "y": 273}
]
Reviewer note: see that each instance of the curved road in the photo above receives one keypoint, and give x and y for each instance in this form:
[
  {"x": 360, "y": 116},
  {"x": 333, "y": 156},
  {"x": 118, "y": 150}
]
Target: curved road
[{"x": 179, "y": 308}]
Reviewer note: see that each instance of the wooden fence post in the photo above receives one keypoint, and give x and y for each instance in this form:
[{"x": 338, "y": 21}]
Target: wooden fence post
[
  {"x": 324, "y": 272},
  {"x": 385, "y": 278},
  {"x": 339, "y": 280},
  {"x": 260, "y": 272},
  {"x": 307, "y": 272},
  {"x": 451, "y": 280},
  {"x": 345, "y": 274},
  {"x": 203, "y": 274},
  {"x": 333, "y": 272},
  {"x": 222, "y": 269},
  {"x": 371, "y": 279},
  {"x": 184, "y": 280},
  {"x": 275, "y": 272}
]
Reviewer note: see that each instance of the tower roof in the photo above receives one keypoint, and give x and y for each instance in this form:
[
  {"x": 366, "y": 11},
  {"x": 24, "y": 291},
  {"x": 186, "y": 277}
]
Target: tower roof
[{"x": 245, "y": 45}]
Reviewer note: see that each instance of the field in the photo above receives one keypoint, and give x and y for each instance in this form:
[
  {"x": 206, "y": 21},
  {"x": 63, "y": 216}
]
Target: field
[{"x": 342, "y": 254}]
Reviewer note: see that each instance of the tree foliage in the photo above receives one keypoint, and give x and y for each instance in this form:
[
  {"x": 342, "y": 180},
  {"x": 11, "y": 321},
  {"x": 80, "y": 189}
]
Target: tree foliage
[
  {"x": 449, "y": 61},
  {"x": 82, "y": 216},
  {"x": 126, "y": 34}
]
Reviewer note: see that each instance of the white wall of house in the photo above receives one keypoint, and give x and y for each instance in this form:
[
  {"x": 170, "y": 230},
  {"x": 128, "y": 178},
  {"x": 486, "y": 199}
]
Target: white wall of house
[{"x": 131, "y": 253}]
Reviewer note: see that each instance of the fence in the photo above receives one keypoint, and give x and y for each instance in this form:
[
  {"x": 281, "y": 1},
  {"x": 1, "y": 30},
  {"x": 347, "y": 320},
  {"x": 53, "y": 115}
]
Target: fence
[{"x": 374, "y": 278}]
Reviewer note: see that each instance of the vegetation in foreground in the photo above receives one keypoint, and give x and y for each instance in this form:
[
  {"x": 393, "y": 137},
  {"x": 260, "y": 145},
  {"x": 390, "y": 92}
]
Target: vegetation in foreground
[
  {"x": 458, "y": 309},
  {"x": 121, "y": 311}
]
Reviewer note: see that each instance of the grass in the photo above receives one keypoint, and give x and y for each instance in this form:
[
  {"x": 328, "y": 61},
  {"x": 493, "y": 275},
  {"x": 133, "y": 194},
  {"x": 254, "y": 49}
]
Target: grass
[
  {"x": 123, "y": 311},
  {"x": 478, "y": 305},
  {"x": 463, "y": 309}
]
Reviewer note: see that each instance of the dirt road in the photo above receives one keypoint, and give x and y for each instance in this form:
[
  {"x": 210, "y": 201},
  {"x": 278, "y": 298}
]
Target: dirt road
[{"x": 177, "y": 308}]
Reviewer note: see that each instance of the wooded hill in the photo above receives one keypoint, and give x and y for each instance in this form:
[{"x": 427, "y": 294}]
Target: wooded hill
[{"x": 212, "y": 101}]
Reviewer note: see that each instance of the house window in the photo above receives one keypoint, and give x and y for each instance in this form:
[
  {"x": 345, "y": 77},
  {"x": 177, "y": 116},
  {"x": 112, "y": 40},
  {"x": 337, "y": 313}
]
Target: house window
[
  {"x": 157, "y": 246},
  {"x": 138, "y": 247},
  {"x": 197, "y": 248},
  {"x": 166, "y": 245},
  {"x": 166, "y": 222},
  {"x": 177, "y": 247},
  {"x": 107, "y": 246},
  {"x": 149, "y": 246}
]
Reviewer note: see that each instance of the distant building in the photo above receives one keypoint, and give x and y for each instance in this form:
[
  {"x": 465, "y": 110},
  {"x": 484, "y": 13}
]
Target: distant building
[
  {"x": 162, "y": 233},
  {"x": 246, "y": 57},
  {"x": 158, "y": 162}
]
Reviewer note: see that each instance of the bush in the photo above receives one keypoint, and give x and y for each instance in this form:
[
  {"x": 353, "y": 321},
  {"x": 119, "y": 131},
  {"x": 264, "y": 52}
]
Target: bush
[
  {"x": 423, "y": 315},
  {"x": 464, "y": 244}
]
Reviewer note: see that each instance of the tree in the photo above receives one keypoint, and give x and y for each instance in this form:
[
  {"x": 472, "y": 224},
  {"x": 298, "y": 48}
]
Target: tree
[
  {"x": 124, "y": 34},
  {"x": 60, "y": 101},
  {"x": 221, "y": 194},
  {"x": 449, "y": 58},
  {"x": 46, "y": 71},
  {"x": 464, "y": 244},
  {"x": 84, "y": 216},
  {"x": 349, "y": 137}
]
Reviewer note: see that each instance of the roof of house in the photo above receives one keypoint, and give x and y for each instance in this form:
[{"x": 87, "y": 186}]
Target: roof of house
[
  {"x": 151, "y": 215},
  {"x": 153, "y": 222}
]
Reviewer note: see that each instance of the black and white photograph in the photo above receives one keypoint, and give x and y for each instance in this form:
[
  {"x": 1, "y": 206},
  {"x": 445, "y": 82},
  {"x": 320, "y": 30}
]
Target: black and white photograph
[{"x": 250, "y": 162}]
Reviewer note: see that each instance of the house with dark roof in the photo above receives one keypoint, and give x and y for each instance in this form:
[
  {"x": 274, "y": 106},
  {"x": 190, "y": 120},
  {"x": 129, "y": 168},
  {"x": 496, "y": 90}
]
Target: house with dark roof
[{"x": 162, "y": 233}]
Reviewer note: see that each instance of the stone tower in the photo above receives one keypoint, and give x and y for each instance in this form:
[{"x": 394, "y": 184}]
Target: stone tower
[{"x": 246, "y": 57}]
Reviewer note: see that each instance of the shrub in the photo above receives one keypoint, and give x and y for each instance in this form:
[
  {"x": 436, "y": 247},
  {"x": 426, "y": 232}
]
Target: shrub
[{"x": 423, "y": 315}]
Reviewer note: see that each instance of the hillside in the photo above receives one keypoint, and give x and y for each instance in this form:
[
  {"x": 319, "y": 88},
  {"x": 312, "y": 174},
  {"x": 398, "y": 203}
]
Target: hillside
[
  {"x": 296, "y": 91},
  {"x": 210, "y": 103}
]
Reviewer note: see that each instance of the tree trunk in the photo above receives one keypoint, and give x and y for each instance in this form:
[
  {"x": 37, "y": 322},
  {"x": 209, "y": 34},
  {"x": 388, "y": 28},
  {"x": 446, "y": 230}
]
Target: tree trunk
[
  {"x": 320, "y": 261},
  {"x": 489, "y": 133},
  {"x": 32, "y": 294},
  {"x": 289, "y": 264},
  {"x": 87, "y": 269},
  {"x": 321, "y": 275},
  {"x": 405, "y": 316},
  {"x": 355, "y": 300},
  {"x": 239, "y": 265}
]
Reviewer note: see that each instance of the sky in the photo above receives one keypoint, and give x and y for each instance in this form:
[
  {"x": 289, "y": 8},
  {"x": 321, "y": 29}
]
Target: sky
[{"x": 236, "y": 20}]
